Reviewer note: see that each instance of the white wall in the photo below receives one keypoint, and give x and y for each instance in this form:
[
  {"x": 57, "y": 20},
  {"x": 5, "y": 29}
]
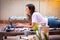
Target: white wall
[
  {"x": 14, "y": 8},
  {"x": 11, "y": 8},
  {"x": 17, "y": 8}
]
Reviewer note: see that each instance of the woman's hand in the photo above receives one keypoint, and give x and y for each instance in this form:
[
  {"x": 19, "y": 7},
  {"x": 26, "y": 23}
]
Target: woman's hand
[
  {"x": 19, "y": 25},
  {"x": 22, "y": 24},
  {"x": 27, "y": 25}
]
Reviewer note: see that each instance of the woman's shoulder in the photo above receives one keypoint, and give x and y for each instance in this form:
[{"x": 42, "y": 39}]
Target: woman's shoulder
[{"x": 36, "y": 13}]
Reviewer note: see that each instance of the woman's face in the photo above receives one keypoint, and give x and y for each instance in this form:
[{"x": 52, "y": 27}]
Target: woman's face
[{"x": 27, "y": 10}]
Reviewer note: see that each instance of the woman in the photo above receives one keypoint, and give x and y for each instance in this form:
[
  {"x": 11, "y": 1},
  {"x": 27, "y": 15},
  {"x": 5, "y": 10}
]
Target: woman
[{"x": 35, "y": 17}]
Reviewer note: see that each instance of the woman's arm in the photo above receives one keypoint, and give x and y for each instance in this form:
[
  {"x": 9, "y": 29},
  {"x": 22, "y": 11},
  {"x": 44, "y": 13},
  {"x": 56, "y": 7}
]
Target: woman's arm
[{"x": 27, "y": 25}]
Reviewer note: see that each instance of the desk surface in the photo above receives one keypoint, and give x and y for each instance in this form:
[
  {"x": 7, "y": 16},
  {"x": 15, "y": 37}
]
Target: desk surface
[{"x": 51, "y": 32}]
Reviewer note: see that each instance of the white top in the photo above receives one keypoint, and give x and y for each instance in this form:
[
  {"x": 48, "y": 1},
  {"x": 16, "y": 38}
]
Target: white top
[{"x": 38, "y": 18}]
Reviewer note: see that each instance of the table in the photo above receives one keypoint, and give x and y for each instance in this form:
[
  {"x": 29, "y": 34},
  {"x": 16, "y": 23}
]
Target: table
[
  {"x": 13, "y": 33},
  {"x": 54, "y": 31}
]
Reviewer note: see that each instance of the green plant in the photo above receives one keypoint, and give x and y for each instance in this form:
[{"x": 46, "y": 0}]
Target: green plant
[
  {"x": 39, "y": 36},
  {"x": 35, "y": 27},
  {"x": 46, "y": 37}
]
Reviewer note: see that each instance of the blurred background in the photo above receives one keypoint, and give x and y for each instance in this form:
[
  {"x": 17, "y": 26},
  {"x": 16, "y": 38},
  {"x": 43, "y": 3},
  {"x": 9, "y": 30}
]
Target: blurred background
[
  {"x": 17, "y": 8},
  {"x": 48, "y": 8}
]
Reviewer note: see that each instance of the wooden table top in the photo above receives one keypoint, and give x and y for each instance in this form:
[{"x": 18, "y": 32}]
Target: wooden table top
[{"x": 51, "y": 32}]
